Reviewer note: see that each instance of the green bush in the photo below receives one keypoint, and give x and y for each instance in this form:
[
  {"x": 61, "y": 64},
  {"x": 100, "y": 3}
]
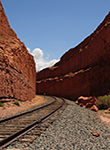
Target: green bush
[
  {"x": 2, "y": 104},
  {"x": 103, "y": 102},
  {"x": 16, "y": 103},
  {"x": 1, "y": 34}
]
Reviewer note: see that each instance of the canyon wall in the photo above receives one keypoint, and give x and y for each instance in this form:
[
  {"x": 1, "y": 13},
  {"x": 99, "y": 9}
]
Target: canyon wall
[
  {"x": 83, "y": 70},
  {"x": 17, "y": 66}
]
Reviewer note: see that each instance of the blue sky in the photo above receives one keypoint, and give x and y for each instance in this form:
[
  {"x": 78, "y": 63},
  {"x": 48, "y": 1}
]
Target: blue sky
[{"x": 51, "y": 27}]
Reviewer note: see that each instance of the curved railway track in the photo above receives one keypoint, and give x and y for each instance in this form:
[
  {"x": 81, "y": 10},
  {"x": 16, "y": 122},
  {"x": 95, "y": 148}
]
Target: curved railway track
[{"x": 16, "y": 126}]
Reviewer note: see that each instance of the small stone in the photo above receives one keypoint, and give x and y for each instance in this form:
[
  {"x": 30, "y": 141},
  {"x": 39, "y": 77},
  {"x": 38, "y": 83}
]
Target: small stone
[
  {"x": 26, "y": 145},
  {"x": 26, "y": 140},
  {"x": 95, "y": 133}
]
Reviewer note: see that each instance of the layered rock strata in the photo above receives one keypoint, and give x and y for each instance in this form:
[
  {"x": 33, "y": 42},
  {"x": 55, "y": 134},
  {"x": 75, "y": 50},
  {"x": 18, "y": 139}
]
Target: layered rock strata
[
  {"x": 17, "y": 66},
  {"x": 83, "y": 70}
]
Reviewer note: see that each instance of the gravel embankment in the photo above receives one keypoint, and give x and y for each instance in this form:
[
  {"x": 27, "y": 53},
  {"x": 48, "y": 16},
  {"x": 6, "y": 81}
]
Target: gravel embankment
[{"x": 72, "y": 131}]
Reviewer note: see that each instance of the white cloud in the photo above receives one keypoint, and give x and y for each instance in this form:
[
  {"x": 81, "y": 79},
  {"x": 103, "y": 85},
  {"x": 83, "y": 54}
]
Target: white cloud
[{"x": 41, "y": 63}]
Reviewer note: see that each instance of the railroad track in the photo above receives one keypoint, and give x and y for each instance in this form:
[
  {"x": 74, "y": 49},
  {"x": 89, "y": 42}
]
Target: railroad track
[{"x": 16, "y": 126}]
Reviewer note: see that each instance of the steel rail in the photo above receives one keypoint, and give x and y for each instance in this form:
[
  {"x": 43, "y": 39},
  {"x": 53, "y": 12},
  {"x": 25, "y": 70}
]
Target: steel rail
[
  {"x": 14, "y": 136},
  {"x": 6, "y": 119}
]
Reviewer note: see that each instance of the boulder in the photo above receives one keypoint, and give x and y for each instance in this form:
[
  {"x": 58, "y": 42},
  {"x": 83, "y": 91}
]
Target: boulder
[
  {"x": 17, "y": 66},
  {"x": 87, "y": 102},
  {"x": 94, "y": 108}
]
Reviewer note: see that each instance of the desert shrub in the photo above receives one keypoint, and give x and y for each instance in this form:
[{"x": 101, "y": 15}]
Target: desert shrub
[
  {"x": 2, "y": 104},
  {"x": 103, "y": 102},
  {"x": 16, "y": 103}
]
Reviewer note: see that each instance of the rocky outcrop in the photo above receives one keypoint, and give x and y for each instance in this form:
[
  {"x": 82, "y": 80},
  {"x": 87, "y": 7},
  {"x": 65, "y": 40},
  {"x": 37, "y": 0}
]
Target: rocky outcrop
[
  {"x": 83, "y": 70},
  {"x": 17, "y": 66},
  {"x": 87, "y": 102}
]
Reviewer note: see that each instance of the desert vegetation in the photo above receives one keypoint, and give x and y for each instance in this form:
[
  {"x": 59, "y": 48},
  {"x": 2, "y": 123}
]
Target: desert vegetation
[
  {"x": 16, "y": 103},
  {"x": 2, "y": 104},
  {"x": 103, "y": 102}
]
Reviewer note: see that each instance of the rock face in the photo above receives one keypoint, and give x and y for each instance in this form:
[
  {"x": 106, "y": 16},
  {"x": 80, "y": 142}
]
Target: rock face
[
  {"x": 83, "y": 70},
  {"x": 17, "y": 67}
]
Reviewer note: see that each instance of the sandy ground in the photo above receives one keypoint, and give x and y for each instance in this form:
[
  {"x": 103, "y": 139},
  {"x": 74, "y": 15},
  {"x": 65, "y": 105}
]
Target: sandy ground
[
  {"x": 10, "y": 108},
  {"x": 105, "y": 118}
]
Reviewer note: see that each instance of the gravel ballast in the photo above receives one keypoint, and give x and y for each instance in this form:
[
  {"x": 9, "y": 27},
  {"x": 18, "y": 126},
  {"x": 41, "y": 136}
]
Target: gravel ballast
[{"x": 73, "y": 130}]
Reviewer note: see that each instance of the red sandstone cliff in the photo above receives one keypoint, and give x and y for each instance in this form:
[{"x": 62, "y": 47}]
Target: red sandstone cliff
[
  {"x": 17, "y": 66},
  {"x": 83, "y": 70}
]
